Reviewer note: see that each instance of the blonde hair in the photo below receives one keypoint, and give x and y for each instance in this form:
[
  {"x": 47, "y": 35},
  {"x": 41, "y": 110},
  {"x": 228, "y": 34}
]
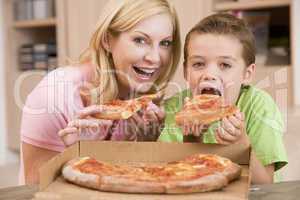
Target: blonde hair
[{"x": 119, "y": 16}]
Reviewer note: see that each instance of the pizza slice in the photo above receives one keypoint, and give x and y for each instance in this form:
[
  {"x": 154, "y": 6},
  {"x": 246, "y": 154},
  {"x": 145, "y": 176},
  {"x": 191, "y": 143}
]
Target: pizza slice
[
  {"x": 124, "y": 109},
  {"x": 204, "y": 109}
]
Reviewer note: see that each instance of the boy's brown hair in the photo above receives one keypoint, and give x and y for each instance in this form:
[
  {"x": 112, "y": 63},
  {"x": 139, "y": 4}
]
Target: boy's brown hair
[{"x": 225, "y": 24}]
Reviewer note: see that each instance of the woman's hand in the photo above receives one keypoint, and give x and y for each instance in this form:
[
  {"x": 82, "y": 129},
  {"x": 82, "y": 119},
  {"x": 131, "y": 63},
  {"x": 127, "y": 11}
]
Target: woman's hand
[
  {"x": 231, "y": 130},
  {"x": 85, "y": 127},
  {"x": 142, "y": 126}
]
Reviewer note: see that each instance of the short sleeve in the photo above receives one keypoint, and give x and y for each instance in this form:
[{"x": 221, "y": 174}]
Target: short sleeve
[
  {"x": 264, "y": 127},
  {"x": 47, "y": 110}
]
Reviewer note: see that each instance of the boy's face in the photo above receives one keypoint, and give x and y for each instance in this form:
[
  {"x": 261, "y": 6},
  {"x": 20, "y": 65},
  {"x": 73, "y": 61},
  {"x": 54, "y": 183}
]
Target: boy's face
[{"x": 215, "y": 65}]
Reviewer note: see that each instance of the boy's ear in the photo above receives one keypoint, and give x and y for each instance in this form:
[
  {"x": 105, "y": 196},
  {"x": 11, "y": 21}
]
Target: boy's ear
[
  {"x": 249, "y": 74},
  {"x": 105, "y": 42}
]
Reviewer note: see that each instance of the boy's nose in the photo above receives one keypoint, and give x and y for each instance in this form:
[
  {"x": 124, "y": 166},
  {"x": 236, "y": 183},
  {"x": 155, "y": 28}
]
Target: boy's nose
[{"x": 208, "y": 77}]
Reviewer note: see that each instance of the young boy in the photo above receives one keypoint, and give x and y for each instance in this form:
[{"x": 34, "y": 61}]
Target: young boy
[{"x": 219, "y": 58}]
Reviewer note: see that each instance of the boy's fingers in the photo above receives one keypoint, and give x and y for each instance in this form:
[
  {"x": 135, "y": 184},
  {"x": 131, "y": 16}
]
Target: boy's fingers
[
  {"x": 197, "y": 130},
  {"x": 219, "y": 140},
  {"x": 228, "y": 127},
  {"x": 224, "y": 135},
  {"x": 236, "y": 122},
  {"x": 239, "y": 115}
]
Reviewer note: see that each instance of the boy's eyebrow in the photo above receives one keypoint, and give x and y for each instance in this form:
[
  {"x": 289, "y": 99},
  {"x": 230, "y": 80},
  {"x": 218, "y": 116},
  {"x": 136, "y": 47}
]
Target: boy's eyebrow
[
  {"x": 195, "y": 56},
  {"x": 228, "y": 57}
]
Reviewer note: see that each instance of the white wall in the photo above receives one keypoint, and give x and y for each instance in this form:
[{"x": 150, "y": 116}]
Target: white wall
[{"x": 2, "y": 87}]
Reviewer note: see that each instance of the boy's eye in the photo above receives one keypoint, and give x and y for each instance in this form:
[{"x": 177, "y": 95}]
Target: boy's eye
[
  {"x": 225, "y": 66},
  {"x": 166, "y": 43},
  {"x": 198, "y": 64},
  {"x": 139, "y": 40}
]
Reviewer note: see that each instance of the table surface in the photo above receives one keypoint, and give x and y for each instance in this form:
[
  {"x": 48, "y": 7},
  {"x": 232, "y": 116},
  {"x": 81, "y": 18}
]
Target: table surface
[{"x": 279, "y": 191}]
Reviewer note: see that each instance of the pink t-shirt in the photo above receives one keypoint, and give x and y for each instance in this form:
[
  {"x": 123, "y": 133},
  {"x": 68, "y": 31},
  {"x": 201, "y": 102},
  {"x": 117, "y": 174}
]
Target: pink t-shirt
[{"x": 49, "y": 107}]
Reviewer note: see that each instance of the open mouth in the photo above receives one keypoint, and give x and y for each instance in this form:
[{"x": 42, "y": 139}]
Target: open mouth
[
  {"x": 145, "y": 72},
  {"x": 210, "y": 90}
]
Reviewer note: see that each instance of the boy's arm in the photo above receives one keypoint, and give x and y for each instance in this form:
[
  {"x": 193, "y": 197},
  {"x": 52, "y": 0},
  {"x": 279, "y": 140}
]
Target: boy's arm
[{"x": 261, "y": 174}]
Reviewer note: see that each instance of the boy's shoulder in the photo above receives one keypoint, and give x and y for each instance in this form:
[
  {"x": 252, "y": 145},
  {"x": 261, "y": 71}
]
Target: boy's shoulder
[{"x": 256, "y": 99}]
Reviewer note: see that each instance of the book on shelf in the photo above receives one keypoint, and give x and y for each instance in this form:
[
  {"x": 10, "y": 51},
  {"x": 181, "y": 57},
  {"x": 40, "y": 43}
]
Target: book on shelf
[
  {"x": 33, "y": 9},
  {"x": 38, "y": 56}
]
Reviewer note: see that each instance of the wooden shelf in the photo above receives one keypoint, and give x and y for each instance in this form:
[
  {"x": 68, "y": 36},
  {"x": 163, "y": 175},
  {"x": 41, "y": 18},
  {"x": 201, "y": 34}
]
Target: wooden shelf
[
  {"x": 35, "y": 23},
  {"x": 250, "y": 4}
]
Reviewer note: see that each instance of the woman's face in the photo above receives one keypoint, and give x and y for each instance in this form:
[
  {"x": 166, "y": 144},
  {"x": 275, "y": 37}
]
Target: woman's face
[{"x": 142, "y": 54}]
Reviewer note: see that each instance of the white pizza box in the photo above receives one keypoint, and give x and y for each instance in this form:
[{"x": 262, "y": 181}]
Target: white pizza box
[{"x": 53, "y": 186}]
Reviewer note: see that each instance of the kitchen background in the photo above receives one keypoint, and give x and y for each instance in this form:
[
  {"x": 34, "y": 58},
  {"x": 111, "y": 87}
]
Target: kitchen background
[{"x": 38, "y": 35}]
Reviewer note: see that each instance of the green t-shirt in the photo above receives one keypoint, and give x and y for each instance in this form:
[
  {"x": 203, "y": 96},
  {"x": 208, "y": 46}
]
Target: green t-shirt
[{"x": 264, "y": 124}]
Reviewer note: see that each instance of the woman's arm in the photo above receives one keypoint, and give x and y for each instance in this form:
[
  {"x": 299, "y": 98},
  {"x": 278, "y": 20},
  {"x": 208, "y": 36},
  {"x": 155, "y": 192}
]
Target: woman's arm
[{"x": 33, "y": 158}]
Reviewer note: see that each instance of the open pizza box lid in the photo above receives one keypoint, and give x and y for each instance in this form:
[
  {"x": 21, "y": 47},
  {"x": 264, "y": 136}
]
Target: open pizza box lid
[{"x": 53, "y": 186}]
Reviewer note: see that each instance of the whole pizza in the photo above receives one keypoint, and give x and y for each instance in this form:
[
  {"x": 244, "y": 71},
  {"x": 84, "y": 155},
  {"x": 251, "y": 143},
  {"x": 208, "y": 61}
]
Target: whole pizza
[{"x": 196, "y": 173}]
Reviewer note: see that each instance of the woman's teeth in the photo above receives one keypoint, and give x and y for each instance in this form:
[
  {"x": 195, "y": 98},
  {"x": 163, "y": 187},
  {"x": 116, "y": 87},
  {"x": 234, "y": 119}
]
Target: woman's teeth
[{"x": 144, "y": 71}]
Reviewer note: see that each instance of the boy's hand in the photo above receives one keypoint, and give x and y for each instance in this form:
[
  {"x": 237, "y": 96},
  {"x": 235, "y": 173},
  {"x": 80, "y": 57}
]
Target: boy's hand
[
  {"x": 195, "y": 130},
  {"x": 231, "y": 129}
]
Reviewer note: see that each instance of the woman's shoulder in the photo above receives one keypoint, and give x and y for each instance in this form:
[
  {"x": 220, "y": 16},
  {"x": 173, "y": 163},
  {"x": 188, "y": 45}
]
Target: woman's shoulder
[{"x": 61, "y": 84}]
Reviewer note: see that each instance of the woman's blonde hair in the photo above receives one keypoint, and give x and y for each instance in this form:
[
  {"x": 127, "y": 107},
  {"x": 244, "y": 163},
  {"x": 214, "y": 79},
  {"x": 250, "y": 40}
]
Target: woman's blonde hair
[{"x": 119, "y": 16}]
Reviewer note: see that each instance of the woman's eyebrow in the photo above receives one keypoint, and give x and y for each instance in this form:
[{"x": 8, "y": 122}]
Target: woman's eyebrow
[
  {"x": 140, "y": 32},
  {"x": 148, "y": 36}
]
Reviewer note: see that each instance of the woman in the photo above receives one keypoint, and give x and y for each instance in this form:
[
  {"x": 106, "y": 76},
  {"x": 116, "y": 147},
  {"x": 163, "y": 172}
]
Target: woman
[{"x": 134, "y": 51}]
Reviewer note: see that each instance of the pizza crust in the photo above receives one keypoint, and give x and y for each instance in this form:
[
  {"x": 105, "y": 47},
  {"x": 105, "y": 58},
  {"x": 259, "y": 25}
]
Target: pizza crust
[{"x": 75, "y": 176}]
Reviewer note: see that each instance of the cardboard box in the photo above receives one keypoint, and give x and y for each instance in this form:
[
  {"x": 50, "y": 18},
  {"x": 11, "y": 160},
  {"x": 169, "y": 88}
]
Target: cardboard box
[{"x": 53, "y": 186}]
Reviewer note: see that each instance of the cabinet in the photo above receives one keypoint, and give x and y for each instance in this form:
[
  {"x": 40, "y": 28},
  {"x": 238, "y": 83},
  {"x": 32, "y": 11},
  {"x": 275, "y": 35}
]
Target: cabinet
[{"x": 279, "y": 79}]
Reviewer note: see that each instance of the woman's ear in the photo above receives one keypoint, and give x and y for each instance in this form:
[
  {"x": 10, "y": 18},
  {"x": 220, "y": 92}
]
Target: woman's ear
[
  {"x": 249, "y": 74},
  {"x": 105, "y": 42}
]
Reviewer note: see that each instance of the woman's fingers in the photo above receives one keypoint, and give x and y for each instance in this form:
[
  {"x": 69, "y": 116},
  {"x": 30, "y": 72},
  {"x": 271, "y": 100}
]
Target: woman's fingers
[
  {"x": 67, "y": 131},
  {"x": 154, "y": 113},
  {"x": 88, "y": 111}
]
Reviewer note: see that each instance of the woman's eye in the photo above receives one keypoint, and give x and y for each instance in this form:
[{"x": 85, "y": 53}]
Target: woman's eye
[
  {"x": 225, "y": 66},
  {"x": 139, "y": 40},
  {"x": 166, "y": 43}
]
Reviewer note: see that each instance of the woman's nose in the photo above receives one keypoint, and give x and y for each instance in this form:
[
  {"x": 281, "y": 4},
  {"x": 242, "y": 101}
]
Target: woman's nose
[{"x": 153, "y": 55}]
